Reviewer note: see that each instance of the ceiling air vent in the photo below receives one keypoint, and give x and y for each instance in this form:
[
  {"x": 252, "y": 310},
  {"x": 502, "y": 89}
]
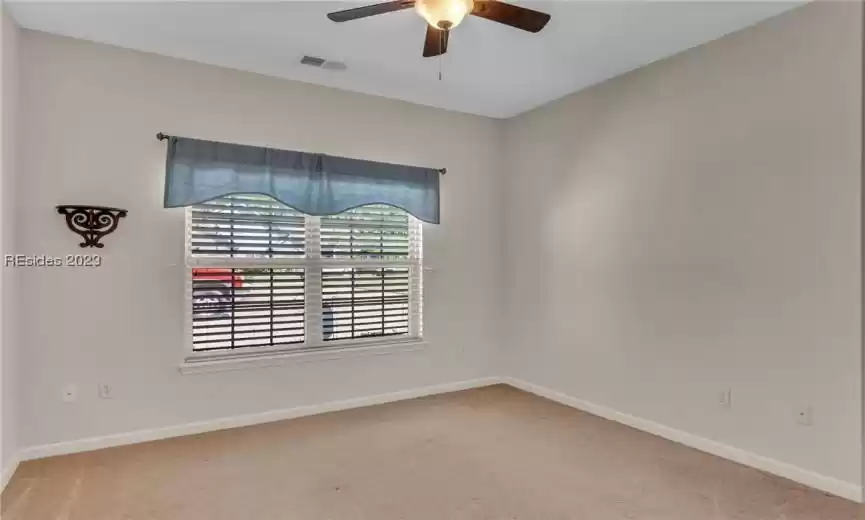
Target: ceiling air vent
[
  {"x": 322, "y": 63},
  {"x": 312, "y": 60}
]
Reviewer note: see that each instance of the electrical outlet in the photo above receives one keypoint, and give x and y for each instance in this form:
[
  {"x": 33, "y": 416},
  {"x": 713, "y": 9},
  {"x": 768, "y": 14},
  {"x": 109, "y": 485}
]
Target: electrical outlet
[
  {"x": 70, "y": 393},
  {"x": 106, "y": 391},
  {"x": 804, "y": 415},
  {"x": 725, "y": 398}
]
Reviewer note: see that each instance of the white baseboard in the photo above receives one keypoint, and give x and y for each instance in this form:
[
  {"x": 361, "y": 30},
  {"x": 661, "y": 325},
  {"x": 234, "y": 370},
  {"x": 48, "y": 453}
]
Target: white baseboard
[
  {"x": 809, "y": 478},
  {"x": 108, "y": 441},
  {"x": 8, "y": 471}
]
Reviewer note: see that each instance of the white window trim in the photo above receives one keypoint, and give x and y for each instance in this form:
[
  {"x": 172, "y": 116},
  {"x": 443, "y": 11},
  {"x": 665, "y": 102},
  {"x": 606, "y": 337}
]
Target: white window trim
[
  {"x": 314, "y": 344},
  {"x": 205, "y": 364}
]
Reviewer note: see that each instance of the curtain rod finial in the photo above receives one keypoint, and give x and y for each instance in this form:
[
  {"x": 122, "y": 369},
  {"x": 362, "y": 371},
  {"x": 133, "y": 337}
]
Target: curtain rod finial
[{"x": 161, "y": 136}]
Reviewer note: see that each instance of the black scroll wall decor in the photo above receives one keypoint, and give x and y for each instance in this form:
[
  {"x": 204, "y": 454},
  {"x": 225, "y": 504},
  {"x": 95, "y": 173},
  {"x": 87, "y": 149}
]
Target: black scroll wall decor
[{"x": 91, "y": 222}]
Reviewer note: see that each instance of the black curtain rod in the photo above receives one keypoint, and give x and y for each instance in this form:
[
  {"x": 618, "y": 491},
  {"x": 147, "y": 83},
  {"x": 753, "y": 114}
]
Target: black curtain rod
[{"x": 163, "y": 137}]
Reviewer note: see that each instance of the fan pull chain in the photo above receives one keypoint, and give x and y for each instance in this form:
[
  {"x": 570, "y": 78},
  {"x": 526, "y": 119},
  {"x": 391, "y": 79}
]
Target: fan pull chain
[{"x": 442, "y": 40}]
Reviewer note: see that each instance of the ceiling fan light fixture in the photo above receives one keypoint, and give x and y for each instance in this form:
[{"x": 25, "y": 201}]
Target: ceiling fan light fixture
[{"x": 444, "y": 14}]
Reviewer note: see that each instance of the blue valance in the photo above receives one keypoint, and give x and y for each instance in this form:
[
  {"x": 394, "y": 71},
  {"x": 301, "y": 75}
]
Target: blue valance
[{"x": 315, "y": 184}]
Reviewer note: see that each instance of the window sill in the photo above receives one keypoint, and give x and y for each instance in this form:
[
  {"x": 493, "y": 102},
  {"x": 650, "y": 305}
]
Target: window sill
[{"x": 201, "y": 364}]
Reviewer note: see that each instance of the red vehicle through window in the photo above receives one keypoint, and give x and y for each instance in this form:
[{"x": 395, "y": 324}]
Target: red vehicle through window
[{"x": 213, "y": 290}]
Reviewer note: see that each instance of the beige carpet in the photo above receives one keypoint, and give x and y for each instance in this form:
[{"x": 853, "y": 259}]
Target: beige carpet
[{"x": 493, "y": 453}]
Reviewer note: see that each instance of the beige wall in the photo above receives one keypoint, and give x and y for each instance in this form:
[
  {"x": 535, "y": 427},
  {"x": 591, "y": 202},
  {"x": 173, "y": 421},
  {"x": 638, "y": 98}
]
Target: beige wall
[
  {"x": 9, "y": 346},
  {"x": 695, "y": 226},
  {"x": 92, "y": 113}
]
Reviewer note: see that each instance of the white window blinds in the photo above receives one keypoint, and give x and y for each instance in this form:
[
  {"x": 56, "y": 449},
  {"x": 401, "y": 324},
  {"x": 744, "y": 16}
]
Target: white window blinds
[{"x": 262, "y": 276}]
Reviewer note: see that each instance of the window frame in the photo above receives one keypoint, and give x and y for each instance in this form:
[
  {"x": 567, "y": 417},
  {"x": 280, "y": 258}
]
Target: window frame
[{"x": 312, "y": 263}]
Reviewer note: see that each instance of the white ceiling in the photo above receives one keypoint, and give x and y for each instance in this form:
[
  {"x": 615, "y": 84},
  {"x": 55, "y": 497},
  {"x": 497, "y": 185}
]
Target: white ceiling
[{"x": 490, "y": 69}]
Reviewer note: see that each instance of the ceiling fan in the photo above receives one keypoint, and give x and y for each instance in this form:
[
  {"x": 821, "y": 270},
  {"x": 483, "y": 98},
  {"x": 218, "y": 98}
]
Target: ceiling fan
[{"x": 443, "y": 15}]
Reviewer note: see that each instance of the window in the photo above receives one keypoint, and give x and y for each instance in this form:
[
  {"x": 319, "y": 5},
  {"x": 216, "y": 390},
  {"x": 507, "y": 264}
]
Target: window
[{"x": 264, "y": 277}]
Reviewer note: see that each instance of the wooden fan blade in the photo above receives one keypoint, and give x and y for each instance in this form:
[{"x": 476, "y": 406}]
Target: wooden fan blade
[
  {"x": 513, "y": 15},
  {"x": 436, "y": 42},
  {"x": 370, "y": 10}
]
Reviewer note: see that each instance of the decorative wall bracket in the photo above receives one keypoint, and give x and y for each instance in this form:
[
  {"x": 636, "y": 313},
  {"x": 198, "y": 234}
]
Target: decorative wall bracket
[{"x": 91, "y": 222}]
